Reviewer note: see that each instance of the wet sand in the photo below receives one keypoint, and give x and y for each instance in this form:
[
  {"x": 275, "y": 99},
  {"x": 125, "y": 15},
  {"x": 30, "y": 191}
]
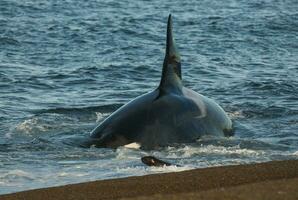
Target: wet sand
[{"x": 272, "y": 180}]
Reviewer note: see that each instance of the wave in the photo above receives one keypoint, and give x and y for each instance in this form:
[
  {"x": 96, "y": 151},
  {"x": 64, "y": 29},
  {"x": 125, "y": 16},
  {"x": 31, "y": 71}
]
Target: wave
[
  {"x": 9, "y": 178},
  {"x": 8, "y": 41},
  {"x": 275, "y": 86},
  {"x": 77, "y": 110},
  {"x": 253, "y": 110}
]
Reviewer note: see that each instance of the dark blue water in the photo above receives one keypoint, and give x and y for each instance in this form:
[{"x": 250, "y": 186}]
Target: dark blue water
[{"x": 66, "y": 65}]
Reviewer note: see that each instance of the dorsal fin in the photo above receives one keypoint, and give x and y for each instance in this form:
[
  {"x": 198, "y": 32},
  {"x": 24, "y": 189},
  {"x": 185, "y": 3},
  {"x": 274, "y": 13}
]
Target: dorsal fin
[{"x": 171, "y": 71}]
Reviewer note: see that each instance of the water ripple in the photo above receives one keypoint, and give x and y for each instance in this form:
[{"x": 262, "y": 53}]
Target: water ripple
[{"x": 66, "y": 65}]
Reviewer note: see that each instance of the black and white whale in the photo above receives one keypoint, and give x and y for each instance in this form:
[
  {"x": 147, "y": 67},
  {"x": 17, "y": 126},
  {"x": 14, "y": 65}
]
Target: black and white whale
[{"x": 168, "y": 115}]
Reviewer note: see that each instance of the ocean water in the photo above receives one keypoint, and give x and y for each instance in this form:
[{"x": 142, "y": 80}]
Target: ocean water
[{"x": 66, "y": 65}]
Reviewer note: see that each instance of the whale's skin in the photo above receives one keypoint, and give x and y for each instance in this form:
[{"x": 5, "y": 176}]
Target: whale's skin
[
  {"x": 170, "y": 114},
  {"x": 170, "y": 119}
]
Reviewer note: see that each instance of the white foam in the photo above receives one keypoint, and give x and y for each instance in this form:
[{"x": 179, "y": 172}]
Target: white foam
[
  {"x": 73, "y": 174},
  {"x": 189, "y": 151},
  {"x": 236, "y": 114},
  {"x": 229, "y": 150},
  {"x": 127, "y": 153},
  {"x": 31, "y": 125},
  {"x": 172, "y": 168},
  {"x": 14, "y": 175},
  {"x": 133, "y": 145},
  {"x": 99, "y": 116},
  {"x": 42, "y": 124},
  {"x": 143, "y": 170}
]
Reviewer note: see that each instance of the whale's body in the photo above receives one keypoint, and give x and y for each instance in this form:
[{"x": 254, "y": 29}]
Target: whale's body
[{"x": 168, "y": 115}]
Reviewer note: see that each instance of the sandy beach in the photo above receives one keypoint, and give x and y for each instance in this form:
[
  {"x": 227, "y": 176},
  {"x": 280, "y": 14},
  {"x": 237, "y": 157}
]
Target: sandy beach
[{"x": 271, "y": 180}]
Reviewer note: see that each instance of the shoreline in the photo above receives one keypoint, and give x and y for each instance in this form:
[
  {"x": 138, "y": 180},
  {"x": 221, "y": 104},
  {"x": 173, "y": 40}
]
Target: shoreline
[{"x": 270, "y": 180}]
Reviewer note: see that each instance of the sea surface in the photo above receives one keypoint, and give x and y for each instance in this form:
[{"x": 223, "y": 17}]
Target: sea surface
[{"x": 65, "y": 65}]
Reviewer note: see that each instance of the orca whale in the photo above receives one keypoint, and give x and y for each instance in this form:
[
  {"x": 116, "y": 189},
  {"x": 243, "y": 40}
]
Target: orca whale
[{"x": 170, "y": 114}]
